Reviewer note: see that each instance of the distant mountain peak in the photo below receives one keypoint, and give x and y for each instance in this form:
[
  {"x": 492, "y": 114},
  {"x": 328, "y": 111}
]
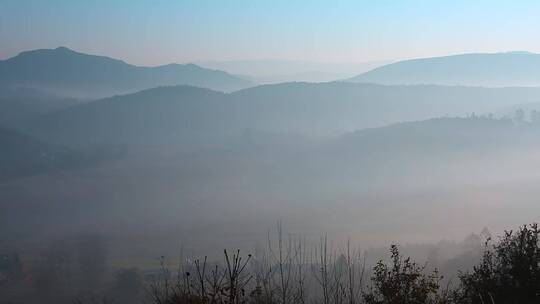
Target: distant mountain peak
[
  {"x": 58, "y": 50},
  {"x": 64, "y": 49},
  {"x": 519, "y": 53},
  {"x": 516, "y": 68},
  {"x": 75, "y": 74}
]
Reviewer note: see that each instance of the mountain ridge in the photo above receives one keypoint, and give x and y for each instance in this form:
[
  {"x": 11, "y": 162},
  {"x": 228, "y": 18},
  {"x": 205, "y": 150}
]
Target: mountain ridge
[
  {"x": 175, "y": 114},
  {"x": 508, "y": 69},
  {"x": 71, "y": 73}
]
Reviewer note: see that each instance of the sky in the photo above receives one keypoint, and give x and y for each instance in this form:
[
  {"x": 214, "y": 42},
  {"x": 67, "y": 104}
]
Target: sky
[{"x": 164, "y": 31}]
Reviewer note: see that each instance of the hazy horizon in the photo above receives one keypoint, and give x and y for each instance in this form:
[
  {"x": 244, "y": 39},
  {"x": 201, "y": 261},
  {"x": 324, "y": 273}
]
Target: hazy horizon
[
  {"x": 159, "y": 32},
  {"x": 351, "y": 152},
  {"x": 270, "y": 71}
]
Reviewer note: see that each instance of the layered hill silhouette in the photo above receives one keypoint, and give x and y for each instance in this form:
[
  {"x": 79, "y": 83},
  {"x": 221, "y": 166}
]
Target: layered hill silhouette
[
  {"x": 491, "y": 70},
  {"x": 18, "y": 106},
  {"x": 438, "y": 136},
  {"x": 66, "y": 72},
  {"x": 184, "y": 114},
  {"x": 436, "y": 152},
  {"x": 150, "y": 116},
  {"x": 24, "y": 155}
]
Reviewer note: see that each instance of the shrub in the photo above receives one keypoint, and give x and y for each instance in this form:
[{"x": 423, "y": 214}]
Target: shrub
[
  {"x": 403, "y": 282},
  {"x": 509, "y": 271}
]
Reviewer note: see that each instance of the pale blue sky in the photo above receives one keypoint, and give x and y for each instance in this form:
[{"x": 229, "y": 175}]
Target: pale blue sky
[{"x": 157, "y": 32}]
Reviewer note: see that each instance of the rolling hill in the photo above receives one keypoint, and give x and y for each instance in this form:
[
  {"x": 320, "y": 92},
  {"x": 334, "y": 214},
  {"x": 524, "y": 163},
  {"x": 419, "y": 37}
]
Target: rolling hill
[
  {"x": 402, "y": 172},
  {"x": 69, "y": 73},
  {"x": 489, "y": 70},
  {"x": 23, "y": 155},
  {"x": 157, "y": 115},
  {"x": 21, "y": 105},
  {"x": 188, "y": 115}
]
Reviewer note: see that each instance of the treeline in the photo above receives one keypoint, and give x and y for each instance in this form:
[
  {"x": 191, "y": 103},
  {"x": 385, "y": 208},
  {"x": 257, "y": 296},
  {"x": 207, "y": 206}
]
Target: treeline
[
  {"x": 289, "y": 270},
  {"x": 65, "y": 271},
  {"x": 508, "y": 272}
]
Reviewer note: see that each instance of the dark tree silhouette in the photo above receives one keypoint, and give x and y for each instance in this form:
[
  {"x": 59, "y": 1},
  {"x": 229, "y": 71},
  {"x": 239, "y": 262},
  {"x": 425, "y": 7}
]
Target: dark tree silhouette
[
  {"x": 403, "y": 282},
  {"x": 509, "y": 271}
]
